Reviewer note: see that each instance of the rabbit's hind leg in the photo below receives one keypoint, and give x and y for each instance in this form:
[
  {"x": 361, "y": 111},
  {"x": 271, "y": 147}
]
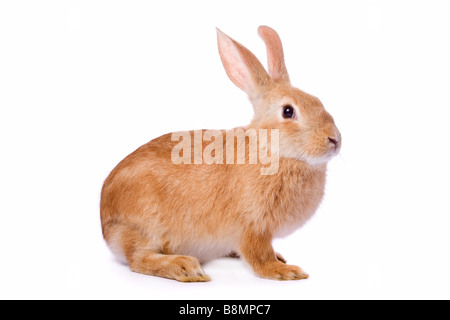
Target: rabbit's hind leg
[
  {"x": 146, "y": 257},
  {"x": 178, "y": 267}
]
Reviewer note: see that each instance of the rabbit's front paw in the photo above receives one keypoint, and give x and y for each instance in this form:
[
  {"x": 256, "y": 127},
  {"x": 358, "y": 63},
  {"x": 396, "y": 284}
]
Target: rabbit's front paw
[{"x": 277, "y": 270}]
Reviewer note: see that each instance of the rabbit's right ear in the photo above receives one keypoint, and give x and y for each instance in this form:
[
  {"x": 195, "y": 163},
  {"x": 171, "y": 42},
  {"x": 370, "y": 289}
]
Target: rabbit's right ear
[
  {"x": 275, "y": 56},
  {"x": 241, "y": 66}
]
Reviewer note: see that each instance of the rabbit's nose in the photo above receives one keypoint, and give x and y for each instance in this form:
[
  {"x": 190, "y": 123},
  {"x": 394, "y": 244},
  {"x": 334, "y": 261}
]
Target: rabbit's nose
[{"x": 335, "y": 142}]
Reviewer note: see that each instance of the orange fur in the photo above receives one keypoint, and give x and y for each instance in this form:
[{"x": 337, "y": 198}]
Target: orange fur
[{"x": 164, "y": 219}]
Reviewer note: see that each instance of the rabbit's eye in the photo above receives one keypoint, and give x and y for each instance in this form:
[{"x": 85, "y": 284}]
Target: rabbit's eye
[{"x": 288, "y": 112}]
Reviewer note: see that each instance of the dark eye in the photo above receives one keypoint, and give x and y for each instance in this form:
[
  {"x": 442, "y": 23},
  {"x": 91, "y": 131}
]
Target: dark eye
[{"x": 288, "y": 112}]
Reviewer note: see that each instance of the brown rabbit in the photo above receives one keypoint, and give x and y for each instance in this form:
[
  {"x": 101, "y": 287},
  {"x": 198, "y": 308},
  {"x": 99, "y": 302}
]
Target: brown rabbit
[{"x": 164, "y": 217}]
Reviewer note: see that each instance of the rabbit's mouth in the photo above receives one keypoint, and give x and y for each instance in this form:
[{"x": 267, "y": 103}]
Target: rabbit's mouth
[
  {"x": 336, "y": 147},
  {"x": 333, "y": 151}
]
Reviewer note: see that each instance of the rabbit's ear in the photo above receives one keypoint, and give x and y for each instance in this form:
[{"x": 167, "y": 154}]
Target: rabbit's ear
[
  {"x": 242, "y": 67},
  {"x": 275, "y": 56}
]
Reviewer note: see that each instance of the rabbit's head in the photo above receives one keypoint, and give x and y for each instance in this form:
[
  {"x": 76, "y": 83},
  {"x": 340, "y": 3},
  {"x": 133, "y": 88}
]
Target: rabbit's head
[{"x": 307, "y": 132}]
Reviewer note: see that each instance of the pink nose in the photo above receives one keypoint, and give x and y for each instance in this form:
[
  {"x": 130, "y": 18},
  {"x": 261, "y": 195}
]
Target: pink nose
[{"x": 333, "y": 141}]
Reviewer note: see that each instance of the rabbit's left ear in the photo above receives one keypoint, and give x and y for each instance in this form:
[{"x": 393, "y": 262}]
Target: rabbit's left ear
[
  {"x": 275, "y": 56},
  {"x": 242, "y": 67}
]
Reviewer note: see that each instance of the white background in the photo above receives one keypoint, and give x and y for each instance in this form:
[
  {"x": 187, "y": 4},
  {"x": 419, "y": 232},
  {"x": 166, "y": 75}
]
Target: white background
[{"x": 84, "y": 83}]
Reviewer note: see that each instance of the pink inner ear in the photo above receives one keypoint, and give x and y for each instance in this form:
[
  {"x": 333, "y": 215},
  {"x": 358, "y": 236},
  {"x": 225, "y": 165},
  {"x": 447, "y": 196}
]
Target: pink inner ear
[
  {"x": 232, "y": 61},
  {"x": 242, "y": 67}
]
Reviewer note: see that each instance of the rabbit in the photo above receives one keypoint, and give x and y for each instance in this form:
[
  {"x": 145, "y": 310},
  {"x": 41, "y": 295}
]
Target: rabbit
[{"x": 166, "y": 218}]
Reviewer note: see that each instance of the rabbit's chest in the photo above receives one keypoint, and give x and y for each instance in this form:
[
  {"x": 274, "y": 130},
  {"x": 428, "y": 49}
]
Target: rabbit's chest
[{"x": 298, "y": 205}]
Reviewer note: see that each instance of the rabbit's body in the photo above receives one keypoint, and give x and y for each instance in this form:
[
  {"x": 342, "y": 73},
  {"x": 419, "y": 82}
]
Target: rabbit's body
[
  {"x": 164, "y": 216},
  {"x": 202, "y": 210}
]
